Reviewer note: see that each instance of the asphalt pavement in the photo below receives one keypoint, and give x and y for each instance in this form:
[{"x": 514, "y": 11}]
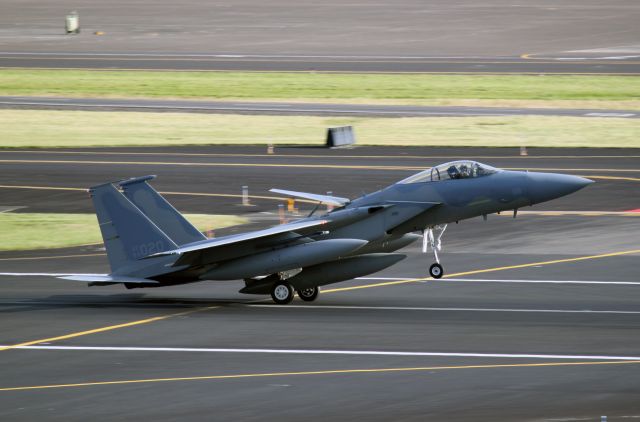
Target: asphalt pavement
[
  {"x": 461, "y": 36},
  {"x": 292, "y": 108},
  {"x": 537, "y": 320},
  {"x": 352, "y": 64}
]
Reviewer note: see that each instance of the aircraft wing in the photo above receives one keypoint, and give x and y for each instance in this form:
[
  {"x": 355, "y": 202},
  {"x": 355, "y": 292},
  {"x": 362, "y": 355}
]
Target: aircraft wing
[
  {"x": 326, "y": 199},
  {"x": 238, "y": 244}
]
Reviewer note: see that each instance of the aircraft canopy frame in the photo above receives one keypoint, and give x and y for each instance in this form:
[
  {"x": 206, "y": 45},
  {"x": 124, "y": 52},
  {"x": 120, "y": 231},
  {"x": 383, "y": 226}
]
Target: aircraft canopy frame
[{"x": 452, "y": 170}]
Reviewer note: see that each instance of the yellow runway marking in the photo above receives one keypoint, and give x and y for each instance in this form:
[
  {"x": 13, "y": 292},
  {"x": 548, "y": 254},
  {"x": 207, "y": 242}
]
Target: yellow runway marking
[
  {"x": 27, "y": 258},
  {"x": 108, "y": 328},
  {"x": 487, "y": 270},
  {"x": 196, "y": 164},
  {"x": 41, "y": 188},
  {"x": 327, "y": 372},
  {"x": 274, "y": 156},
  {"x": 630, "y": 179},
  {"x": 221, "y": 195},
  {"x": 278, "y": 165},
  {"x": 229, "y": 195}
]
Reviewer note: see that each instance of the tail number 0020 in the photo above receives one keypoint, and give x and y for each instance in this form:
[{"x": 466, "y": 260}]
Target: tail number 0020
[{"x": 146, "y": 249}]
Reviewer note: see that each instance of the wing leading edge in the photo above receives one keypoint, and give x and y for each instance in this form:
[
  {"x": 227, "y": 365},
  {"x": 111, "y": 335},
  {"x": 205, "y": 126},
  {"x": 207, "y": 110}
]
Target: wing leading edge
[
  {"x": 302, "y": 227},
  {"x": 326, "y": 199}
]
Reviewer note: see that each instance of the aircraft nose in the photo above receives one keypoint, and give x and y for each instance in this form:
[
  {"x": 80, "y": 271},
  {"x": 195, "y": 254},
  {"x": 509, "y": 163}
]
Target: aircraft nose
[{"x": 546, "y": 186}]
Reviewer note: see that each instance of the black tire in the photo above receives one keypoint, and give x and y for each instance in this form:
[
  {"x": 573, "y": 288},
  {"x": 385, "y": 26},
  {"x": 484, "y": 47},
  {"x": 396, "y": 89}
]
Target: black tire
[
  {"x": 436, "y": 270},
  {"x": 282, "y": 293},
  {"x": 310, "y": 294}
]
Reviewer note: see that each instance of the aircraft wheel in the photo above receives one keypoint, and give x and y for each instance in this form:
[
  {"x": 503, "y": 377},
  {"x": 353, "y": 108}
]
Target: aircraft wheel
[
  {"x": 282, "y": 293},
  {"x": 436, "y": 270},
  {"x": 310, "y": 294}
]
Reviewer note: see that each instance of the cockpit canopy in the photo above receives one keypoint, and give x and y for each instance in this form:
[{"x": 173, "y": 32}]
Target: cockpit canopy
[{"x": 451, "y": 170}]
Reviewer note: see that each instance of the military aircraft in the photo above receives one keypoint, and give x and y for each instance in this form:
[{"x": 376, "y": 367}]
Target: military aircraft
[{"x": 150, "y": 244}]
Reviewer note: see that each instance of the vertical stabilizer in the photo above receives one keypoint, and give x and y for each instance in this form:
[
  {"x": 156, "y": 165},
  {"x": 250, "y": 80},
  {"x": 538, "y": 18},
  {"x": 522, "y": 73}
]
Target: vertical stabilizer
[
  {"x": 161, "y": 212},
  {"x": 127, "y": 233}
]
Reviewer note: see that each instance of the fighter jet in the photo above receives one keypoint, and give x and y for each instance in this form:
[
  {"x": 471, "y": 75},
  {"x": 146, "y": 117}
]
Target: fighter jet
[{"x": 150, "y": 244}]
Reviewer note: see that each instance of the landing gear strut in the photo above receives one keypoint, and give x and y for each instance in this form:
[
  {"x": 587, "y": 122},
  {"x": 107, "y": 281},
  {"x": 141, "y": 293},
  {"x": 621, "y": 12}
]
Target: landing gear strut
[
  {"x": 431, "y": 237},
  {"x": 310, "y": 294},
  {"x": 282, "y": 293}
]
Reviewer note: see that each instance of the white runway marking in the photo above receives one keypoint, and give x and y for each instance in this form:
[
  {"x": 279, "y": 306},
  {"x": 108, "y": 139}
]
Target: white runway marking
[
  {"x": 53, "y": 274},
  {"x": 444, "y": 309},
  {"x": 327, "y": 352},
  {"x": 485, "y": 280}
]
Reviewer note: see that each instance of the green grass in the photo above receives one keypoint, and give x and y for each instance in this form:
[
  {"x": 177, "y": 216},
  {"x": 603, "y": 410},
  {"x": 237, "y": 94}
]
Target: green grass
[
  {"x": 546, "y": 90},
  {"x": 46, "y": 129},
  {"x": 25, "y": 231}
]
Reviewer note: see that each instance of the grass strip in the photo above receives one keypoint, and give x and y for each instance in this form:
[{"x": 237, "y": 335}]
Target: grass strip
[
  {"x": 50, "y": 129},
  {"x": 27, "y": 231},
  {"x": 532, "y": 90}
]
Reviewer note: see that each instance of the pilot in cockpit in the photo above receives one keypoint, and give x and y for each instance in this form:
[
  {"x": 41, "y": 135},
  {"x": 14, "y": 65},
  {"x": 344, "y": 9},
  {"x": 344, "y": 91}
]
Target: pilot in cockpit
[
  {"x": 453, "y": 172},
  {"x": 465, "y": 171}
]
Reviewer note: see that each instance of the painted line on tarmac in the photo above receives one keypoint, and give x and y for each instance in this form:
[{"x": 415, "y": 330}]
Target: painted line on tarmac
[
  {"x": 575, "y": 213},
  {"x": 630, "y": 179},
  {"x": 434, "y": 309},
  {"x": 610, "y": 283},
  {"x": 197, "y": 164},
  {"x": 42, "y": 188},
  {"x": 280, "y": 198},
  {"x": 487, "y": 270},
  {"x": 219, "y": 195},
  {"x": 107, "y": 328},
  {"x": 323, "y": 372},
  {"x": 485, "y": 280},
  {"x": 279, "y": 165},
  {"x": 29, "y": 258},
  {"x": 331, "y": 157},
  {"x": 54, "y": 274},
  {"x": 145, "y": 321},
  {"x": 330, "y": 352}
]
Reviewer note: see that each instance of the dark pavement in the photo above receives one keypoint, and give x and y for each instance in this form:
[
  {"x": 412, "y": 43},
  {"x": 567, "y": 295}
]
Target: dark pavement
[
  {"x": 576, "y": 319},
  {"x": 292, "y": 108},
  {"x": 461, "y": 36}
]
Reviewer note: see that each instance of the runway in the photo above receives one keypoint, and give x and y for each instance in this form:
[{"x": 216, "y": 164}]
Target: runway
[
  {"x": 347, "y": 64},
  {"x": 346, "y": 173},
  {"x": 462, "y": 36},
  {"x": 292, "y": 108},
  {"x": 540, "y": 309}
]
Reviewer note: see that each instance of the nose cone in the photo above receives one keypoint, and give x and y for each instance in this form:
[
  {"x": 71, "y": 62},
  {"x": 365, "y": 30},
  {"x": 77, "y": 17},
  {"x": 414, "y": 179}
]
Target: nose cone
[{"x": 546, "y": 186}]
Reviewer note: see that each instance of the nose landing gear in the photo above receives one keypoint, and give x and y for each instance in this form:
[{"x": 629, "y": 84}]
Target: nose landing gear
[{"x": 431, "y": 237}]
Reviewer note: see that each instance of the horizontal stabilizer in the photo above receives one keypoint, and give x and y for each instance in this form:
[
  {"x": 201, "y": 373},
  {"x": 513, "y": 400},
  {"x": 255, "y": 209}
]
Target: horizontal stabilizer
[
  {"x": 101, "y": 278},
  {"x": 108, "y": 279},
  {"x": 326, "y": 199}
]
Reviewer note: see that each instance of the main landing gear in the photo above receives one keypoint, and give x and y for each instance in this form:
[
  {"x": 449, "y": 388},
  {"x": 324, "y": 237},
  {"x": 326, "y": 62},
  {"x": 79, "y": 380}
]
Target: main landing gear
[
  {"x": 282, "y": 293},
  {"x": 309, "y": 295},
  {"x": 431, "y": 237}
]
